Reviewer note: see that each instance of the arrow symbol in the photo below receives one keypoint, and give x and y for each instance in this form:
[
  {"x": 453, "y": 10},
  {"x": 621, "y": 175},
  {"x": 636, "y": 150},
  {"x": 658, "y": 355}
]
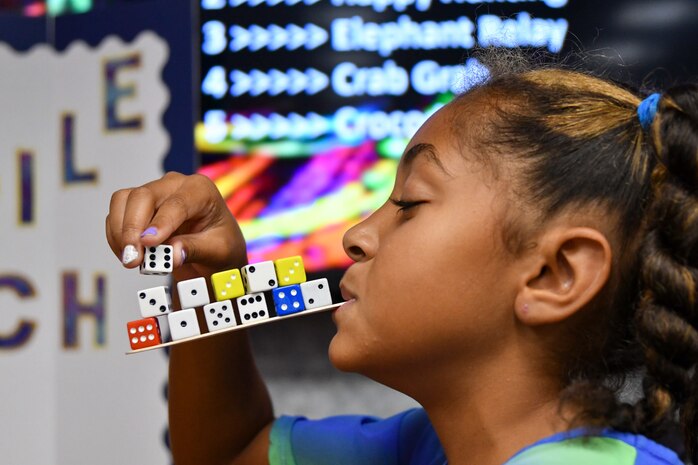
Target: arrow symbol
[
  {"x": 279, "y": 82},
  {"x": 299, "y": 127},
  {"x": 278, "y": 37},
  {"x": 260, "y": 127},
  {"x": 298, "y": 81},
  {"x": 260, "y": 37},
  {"x": 241, "y": 83},
  {"x": 240, "y": 38},
  {"x": 279, "y": 126},
  {"x": 317, "y": 81},
  {"x": 296, "y": 36},
  {"x": 260, "y": 82},
  {"x": 317, "y": 124},
  {"x": 241, "y": 127},
  {"x": 316, "y": 36}
]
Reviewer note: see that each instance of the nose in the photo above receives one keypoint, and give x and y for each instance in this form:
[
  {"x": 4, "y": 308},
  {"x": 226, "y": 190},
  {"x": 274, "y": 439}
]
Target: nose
[{"x": 360, "y": 242}]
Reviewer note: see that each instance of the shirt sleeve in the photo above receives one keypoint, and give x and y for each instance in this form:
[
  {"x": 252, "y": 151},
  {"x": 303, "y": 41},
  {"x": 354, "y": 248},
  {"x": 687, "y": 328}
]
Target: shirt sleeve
[
  {"x": 404, "y": 439},
  {"x": 610, "y": 448}
]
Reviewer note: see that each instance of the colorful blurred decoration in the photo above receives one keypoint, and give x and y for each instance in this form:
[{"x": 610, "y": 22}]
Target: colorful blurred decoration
[
  {"x": 35, "y": 8},
  {"x": 60, "y": 7},
  {"x": 299, "y": 197}
]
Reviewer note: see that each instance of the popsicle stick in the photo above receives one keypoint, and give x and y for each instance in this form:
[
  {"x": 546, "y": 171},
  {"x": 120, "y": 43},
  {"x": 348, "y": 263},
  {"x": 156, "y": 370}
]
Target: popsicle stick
[{"x": 234, "y": 328}]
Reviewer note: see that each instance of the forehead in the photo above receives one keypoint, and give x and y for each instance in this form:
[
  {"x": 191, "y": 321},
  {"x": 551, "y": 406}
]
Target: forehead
[{"x": 435, "y": 144}]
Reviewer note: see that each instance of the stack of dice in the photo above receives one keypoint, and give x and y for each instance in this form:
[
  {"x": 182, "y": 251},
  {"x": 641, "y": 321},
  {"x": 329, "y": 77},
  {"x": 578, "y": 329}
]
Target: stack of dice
[{"x": 285, "y": 278}]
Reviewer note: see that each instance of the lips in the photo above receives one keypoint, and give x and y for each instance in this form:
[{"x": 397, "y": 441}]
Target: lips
[{"x": 347, "y": 294}]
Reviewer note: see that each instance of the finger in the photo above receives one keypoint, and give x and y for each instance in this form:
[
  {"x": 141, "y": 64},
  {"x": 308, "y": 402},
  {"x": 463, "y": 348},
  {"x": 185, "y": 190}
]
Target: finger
[
  {"x": 114, "y": 221},
  {"x": 194, "y": 199},
  {"x": 111, "y": 240},
  {"x": 139, "y": 209},
  {"x": 211, "y": 248}
]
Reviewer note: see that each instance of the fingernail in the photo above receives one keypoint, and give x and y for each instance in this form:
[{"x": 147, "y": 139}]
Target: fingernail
[
  {"x": 129, "y": 255},
  {"x": 151, "y": 231},
  {"x": 184, "y": 256}
]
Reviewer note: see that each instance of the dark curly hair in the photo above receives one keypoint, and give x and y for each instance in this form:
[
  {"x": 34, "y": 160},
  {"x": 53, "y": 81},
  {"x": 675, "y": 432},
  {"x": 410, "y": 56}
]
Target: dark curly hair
[{"x": 575, "y": 141}]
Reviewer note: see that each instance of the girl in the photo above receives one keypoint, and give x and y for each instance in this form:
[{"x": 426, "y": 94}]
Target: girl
[{"x": 538, "y": 247}]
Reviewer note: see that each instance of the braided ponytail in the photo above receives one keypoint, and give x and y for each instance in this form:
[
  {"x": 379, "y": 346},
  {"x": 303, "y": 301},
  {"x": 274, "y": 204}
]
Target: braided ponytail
[
  {"x": 576, "y": 139},
  {"x": 667, "y": 317}
]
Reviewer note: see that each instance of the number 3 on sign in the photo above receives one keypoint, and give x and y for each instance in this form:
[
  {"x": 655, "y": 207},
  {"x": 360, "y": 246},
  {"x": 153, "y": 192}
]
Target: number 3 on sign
[{"x": 214, "y": 40}]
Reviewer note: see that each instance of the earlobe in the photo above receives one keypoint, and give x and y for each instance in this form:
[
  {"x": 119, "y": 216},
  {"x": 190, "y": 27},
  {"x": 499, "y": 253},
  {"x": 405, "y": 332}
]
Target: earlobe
[{"x": 568, "y": 269}]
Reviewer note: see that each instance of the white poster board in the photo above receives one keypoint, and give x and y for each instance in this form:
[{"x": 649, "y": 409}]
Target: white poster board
[{"x": 74, "y": 127}]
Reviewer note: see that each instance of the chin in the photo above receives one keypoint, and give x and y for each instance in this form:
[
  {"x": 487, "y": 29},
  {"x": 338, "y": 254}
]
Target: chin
[
  {"x": 345, "y": 355},
  {"x": 341, "y": 355}
]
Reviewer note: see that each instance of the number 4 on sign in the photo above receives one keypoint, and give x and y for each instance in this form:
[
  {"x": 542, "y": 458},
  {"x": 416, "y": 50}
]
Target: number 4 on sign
[{"x": 215, "y": 83}]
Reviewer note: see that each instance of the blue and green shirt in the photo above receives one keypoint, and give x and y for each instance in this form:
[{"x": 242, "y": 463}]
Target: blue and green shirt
[{"x": 408, "y": 438}]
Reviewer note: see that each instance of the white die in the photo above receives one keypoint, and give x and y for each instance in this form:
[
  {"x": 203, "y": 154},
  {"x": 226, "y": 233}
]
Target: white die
[
  {"x": 157, "y": 260},
  {"x": 193, "y": 293},
  {"x": 164, "y": 323},
  {"x": 252, "y": 307},
  {"x": 316, "y": 293},
  {"x": 154, "y": 301},
  {"x": 259, "y": 277},
  {"x": 183, "y": 324},
  {"x": 219, "y": 315}
]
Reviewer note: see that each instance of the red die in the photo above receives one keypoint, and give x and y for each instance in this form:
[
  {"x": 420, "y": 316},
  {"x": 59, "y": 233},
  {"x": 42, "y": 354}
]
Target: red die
[{"x": 143, "y": 333}]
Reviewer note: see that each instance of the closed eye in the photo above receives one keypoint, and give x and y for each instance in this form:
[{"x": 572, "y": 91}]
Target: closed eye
[{"x": 405, "y": 204}]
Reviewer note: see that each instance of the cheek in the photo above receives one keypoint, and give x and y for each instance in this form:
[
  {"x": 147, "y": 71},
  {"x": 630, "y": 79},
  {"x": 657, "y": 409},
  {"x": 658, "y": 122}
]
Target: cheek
[
  {"x": 431, "y": 289},
  {"x": 447, "y": 265}
]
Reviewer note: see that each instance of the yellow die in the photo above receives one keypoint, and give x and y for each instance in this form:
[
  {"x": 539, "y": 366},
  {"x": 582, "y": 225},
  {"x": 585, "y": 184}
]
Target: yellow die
[
  {"x": 290, "y": 270},
  {"x": 227, "y": 284}
]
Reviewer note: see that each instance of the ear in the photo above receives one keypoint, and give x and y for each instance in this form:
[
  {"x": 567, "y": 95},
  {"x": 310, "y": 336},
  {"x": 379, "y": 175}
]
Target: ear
[{"x": 562, "y": 275}]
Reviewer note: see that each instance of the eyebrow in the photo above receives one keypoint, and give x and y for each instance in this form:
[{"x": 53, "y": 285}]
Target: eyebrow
[{"x": 426, "y": 150}]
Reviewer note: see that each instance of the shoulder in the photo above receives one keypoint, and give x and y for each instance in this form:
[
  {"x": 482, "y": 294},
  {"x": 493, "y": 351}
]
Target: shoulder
[
  {"x": 405, "y": 438},
  {"x": 607, "y": 448}
]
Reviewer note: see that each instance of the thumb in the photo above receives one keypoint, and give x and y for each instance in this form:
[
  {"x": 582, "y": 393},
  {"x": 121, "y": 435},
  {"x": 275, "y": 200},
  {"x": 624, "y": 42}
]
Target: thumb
[{"x": 210, "y": 249}]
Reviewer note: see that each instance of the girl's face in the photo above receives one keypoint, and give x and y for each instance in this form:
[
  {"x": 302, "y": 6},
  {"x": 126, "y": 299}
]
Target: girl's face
[{"x": 431, "y": 284}]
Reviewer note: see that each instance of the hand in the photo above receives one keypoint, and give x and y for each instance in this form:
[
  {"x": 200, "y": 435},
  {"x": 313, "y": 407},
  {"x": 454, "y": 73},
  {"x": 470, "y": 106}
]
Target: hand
[{"x": 186, "y": 212}]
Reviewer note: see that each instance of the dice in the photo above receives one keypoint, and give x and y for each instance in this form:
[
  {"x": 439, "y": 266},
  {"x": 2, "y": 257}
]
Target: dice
[
  {"x": 259, "y": 277},
  {"x": 219, "y": 315},
  {"x": 290, "y": 270},
  {"x": 227, "y": 284},
  {"x": 183, "y": 324},
  {"x": 193, "y": 293},
  {"x": 316, "y": 293},
  {"x": 288, "y": 300},
  {"x": 143, "y": 333},
  {"x": 154, "y": 301},
  {"x": 164, "y": 325},
  {"x": 157, "y": 260},
  {"x": 285, "y": 278},
  {"x": 252, "y": 307}
]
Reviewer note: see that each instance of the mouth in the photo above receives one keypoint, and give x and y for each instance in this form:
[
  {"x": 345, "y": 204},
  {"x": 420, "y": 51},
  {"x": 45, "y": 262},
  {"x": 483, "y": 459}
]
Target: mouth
[{"x": 347, "y": 294}]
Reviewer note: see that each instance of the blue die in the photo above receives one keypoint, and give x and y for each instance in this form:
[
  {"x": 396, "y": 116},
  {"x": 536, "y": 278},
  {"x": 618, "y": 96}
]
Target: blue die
[{"x": 288, "y": 299}]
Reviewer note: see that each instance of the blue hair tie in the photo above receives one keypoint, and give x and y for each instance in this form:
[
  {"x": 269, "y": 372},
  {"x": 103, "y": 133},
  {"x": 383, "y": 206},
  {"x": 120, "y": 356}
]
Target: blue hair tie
[{"x": 647, "y": 109}]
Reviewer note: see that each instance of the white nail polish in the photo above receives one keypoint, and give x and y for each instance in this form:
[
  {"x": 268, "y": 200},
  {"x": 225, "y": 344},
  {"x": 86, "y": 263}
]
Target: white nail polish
[{"x": 130, "y": 254}]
